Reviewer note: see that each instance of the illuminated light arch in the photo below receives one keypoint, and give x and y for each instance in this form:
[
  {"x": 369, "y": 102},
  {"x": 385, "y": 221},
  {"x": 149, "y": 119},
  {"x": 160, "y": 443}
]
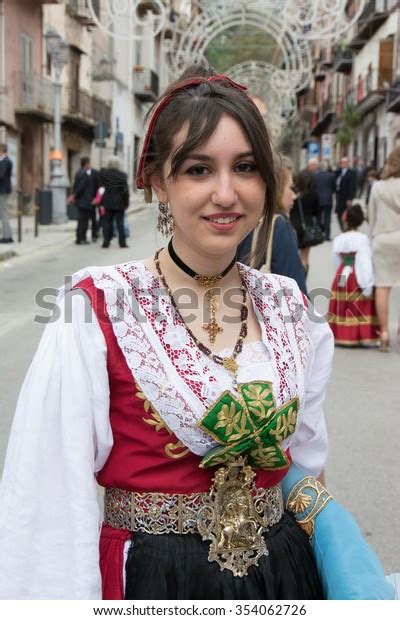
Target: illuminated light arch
[
  {"x": 189, "y": 41},
  {"x": 274, "y": 89}
]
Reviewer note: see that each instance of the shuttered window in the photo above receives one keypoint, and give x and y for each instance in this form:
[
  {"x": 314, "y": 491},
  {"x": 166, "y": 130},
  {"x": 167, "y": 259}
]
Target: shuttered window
[{"x": 385, "y": 62}]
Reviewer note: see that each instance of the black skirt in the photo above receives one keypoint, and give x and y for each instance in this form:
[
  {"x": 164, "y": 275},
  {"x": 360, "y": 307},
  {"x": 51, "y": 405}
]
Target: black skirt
[{"x": 174, "y": 566}]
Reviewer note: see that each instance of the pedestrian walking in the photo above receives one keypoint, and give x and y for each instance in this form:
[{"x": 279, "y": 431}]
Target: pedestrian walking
[
  {"x": 207, "y": 436},
  {"x": 384, "y": 221},
  {"x": 83, "y": 194},
  {"x": 5, "y": 191},
  {"x": 313, "y": 165},
  {"x": 324, "y": 181},
  {"x": 306, "y": 212},
  {"x": 352, "y": 314},
  {"x": 360, "y": 171},
  {"x": 281, "y": 254},
  {"x": 115, "y": 200},
  {"x": 346, "y": 188}
]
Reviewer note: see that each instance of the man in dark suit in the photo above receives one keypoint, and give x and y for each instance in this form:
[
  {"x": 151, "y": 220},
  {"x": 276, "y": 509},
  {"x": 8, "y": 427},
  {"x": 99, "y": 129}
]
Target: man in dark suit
[
  {"x": 83, "y": 193},
  {"x": 5, "y": 191},
  {"x": 324, "y": 181},
  {"x": 346, "y": 187},
  {"x": 361, "y": 175}
]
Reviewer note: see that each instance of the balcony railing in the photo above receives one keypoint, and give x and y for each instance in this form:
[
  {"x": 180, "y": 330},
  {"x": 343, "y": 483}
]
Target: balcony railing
[
  {"x": 33, "y": 95},
  {"x": 327, "y": 108},
  {"x": 371, "y": 19},
  {"x": 343, "y": 101},
  {"x": 369, "y": 83},
  {"x": 145, "y": 84},
  {"x": 86, "y": 109},
  {"x": 324, "y": 116},
  {"x": 343, "y": 61},
  {"x": 370, "y": 90}
]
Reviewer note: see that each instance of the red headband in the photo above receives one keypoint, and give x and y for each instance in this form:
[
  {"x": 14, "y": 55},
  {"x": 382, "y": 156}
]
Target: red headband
[{"x": 187, "y": 84}]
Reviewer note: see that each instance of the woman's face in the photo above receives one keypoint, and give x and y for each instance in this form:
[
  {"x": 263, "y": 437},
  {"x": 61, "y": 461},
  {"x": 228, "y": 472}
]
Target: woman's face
[
  {"x": 288, "y": 195},
  {"x": 218, "y": 196}
]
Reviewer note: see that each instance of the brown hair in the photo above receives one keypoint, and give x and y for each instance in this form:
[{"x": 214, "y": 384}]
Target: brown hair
[
  {"x": 285, "y": 168},
  {"x": 392, "y": 167},
  {"x": 305, "y": 182},
  {"x": 202, "y": 106},
  {"x": 355, "y": 216}
]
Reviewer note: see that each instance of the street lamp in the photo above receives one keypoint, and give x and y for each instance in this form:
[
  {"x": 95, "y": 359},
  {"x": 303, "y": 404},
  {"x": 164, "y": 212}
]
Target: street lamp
[{"x": 58, "y": 50}]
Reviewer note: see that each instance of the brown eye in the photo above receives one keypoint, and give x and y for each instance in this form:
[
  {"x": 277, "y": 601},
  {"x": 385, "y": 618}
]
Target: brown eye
[
  {"x": 197, "y": 171},
  {"x": 246, "y": 167}
]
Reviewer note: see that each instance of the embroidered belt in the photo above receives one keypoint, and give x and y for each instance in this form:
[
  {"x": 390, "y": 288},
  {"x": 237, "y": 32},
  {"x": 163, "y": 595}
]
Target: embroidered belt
[{"x": 232, "y": 515}]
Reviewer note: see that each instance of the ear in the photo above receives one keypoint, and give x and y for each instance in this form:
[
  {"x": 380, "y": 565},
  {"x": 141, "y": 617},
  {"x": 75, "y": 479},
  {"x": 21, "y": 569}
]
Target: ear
[{"x": 158, "y": 185}]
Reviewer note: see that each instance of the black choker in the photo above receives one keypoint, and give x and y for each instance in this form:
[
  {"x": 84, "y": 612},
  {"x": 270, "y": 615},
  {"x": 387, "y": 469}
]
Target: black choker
[{"x": 205, "y": 280}]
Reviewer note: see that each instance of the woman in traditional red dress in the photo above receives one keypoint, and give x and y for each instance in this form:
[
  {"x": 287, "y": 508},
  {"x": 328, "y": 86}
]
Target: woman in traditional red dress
[
  {"x": 352, "y": 314},
  {"x": 206, "y": 432}
]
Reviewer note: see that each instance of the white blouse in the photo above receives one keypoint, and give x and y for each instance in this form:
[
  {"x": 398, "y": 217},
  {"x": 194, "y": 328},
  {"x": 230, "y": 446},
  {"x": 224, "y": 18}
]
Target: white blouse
[
  {"x": 354, "y": 241},
  {"x": 61, "y": 436}
]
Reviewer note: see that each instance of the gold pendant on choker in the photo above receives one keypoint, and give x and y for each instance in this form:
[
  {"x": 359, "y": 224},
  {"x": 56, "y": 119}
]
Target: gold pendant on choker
[{"x": 212, "y": 328}]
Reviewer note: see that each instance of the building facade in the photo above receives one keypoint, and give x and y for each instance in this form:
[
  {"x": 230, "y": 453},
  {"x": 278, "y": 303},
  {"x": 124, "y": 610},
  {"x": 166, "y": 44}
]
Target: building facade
[
  {"x": 84, "y": 109},
  {"x": 352, "y": 104},
  {"x": 26, "y": 98}
]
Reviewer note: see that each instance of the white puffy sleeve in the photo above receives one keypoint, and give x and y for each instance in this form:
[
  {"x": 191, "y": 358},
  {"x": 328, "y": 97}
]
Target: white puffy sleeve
[
  {"x": 363, "y": 266},
  {"x": 49, "y": 515},
  {"x": 336, "y": 251},
  {"x": 309, "y": 447}
]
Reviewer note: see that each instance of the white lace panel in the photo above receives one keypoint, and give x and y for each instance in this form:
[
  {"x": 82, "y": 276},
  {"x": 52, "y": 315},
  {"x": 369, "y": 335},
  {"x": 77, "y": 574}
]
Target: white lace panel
[{"x": 175, "y": 376}]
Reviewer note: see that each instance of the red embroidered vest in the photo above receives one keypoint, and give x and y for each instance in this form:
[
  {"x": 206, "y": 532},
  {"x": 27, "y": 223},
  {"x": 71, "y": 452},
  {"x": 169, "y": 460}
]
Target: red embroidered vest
[{"x": 146, "y": 456}]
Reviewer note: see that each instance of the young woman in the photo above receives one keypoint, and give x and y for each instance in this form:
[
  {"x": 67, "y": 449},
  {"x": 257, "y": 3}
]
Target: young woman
[
  {"x": 352, "y": 311},
  {"x": 384, "y": 221},
  {"x": 281, "y": 255},
  {"x": 200, "y": 428}
]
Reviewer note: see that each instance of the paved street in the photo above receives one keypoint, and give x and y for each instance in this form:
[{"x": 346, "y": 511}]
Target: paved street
[{"x": 363, "y": 402}]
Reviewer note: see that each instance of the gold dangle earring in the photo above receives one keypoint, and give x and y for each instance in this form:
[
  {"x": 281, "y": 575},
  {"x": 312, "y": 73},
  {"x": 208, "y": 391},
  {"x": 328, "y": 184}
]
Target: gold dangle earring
[{"x": 165, "y": 223}]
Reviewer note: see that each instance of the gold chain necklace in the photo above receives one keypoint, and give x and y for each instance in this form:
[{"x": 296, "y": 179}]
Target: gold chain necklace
[
  {"x": 212, "y": 328},
  {"x": 229, "y": 362}
]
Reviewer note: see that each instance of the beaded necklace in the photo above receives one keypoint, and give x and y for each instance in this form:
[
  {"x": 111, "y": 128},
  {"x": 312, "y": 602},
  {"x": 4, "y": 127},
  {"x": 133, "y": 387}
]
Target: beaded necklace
[{"x": 229, "y": 362}]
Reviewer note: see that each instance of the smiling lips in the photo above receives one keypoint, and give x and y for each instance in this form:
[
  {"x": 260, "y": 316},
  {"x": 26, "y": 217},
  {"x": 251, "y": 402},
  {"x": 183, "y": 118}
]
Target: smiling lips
[
  {"x": 223, "y": 218},
  {"x": 223, "y": 222}
]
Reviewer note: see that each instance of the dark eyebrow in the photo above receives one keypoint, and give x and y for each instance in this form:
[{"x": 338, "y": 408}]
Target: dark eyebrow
[{"x": 201, "y": 157}]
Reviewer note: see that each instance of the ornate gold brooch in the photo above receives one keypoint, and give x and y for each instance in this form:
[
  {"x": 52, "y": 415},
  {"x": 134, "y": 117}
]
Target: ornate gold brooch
[{"x": 235, "y": 516}]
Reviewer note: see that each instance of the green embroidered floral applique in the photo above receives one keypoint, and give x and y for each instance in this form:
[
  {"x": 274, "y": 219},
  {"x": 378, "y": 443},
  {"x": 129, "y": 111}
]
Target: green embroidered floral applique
[{"x": 249, "y": 424}]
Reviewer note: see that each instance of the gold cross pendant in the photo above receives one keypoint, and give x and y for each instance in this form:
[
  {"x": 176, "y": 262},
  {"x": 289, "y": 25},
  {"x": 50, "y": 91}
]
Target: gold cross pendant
[{"x": 212, "y": 328}]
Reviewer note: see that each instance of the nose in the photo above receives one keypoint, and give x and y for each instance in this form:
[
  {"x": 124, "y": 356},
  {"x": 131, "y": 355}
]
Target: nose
[{"x": 224, "y": 192}]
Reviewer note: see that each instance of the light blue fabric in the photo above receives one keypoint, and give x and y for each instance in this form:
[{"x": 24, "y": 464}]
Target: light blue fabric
[{"x": 347, "y": 566}]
